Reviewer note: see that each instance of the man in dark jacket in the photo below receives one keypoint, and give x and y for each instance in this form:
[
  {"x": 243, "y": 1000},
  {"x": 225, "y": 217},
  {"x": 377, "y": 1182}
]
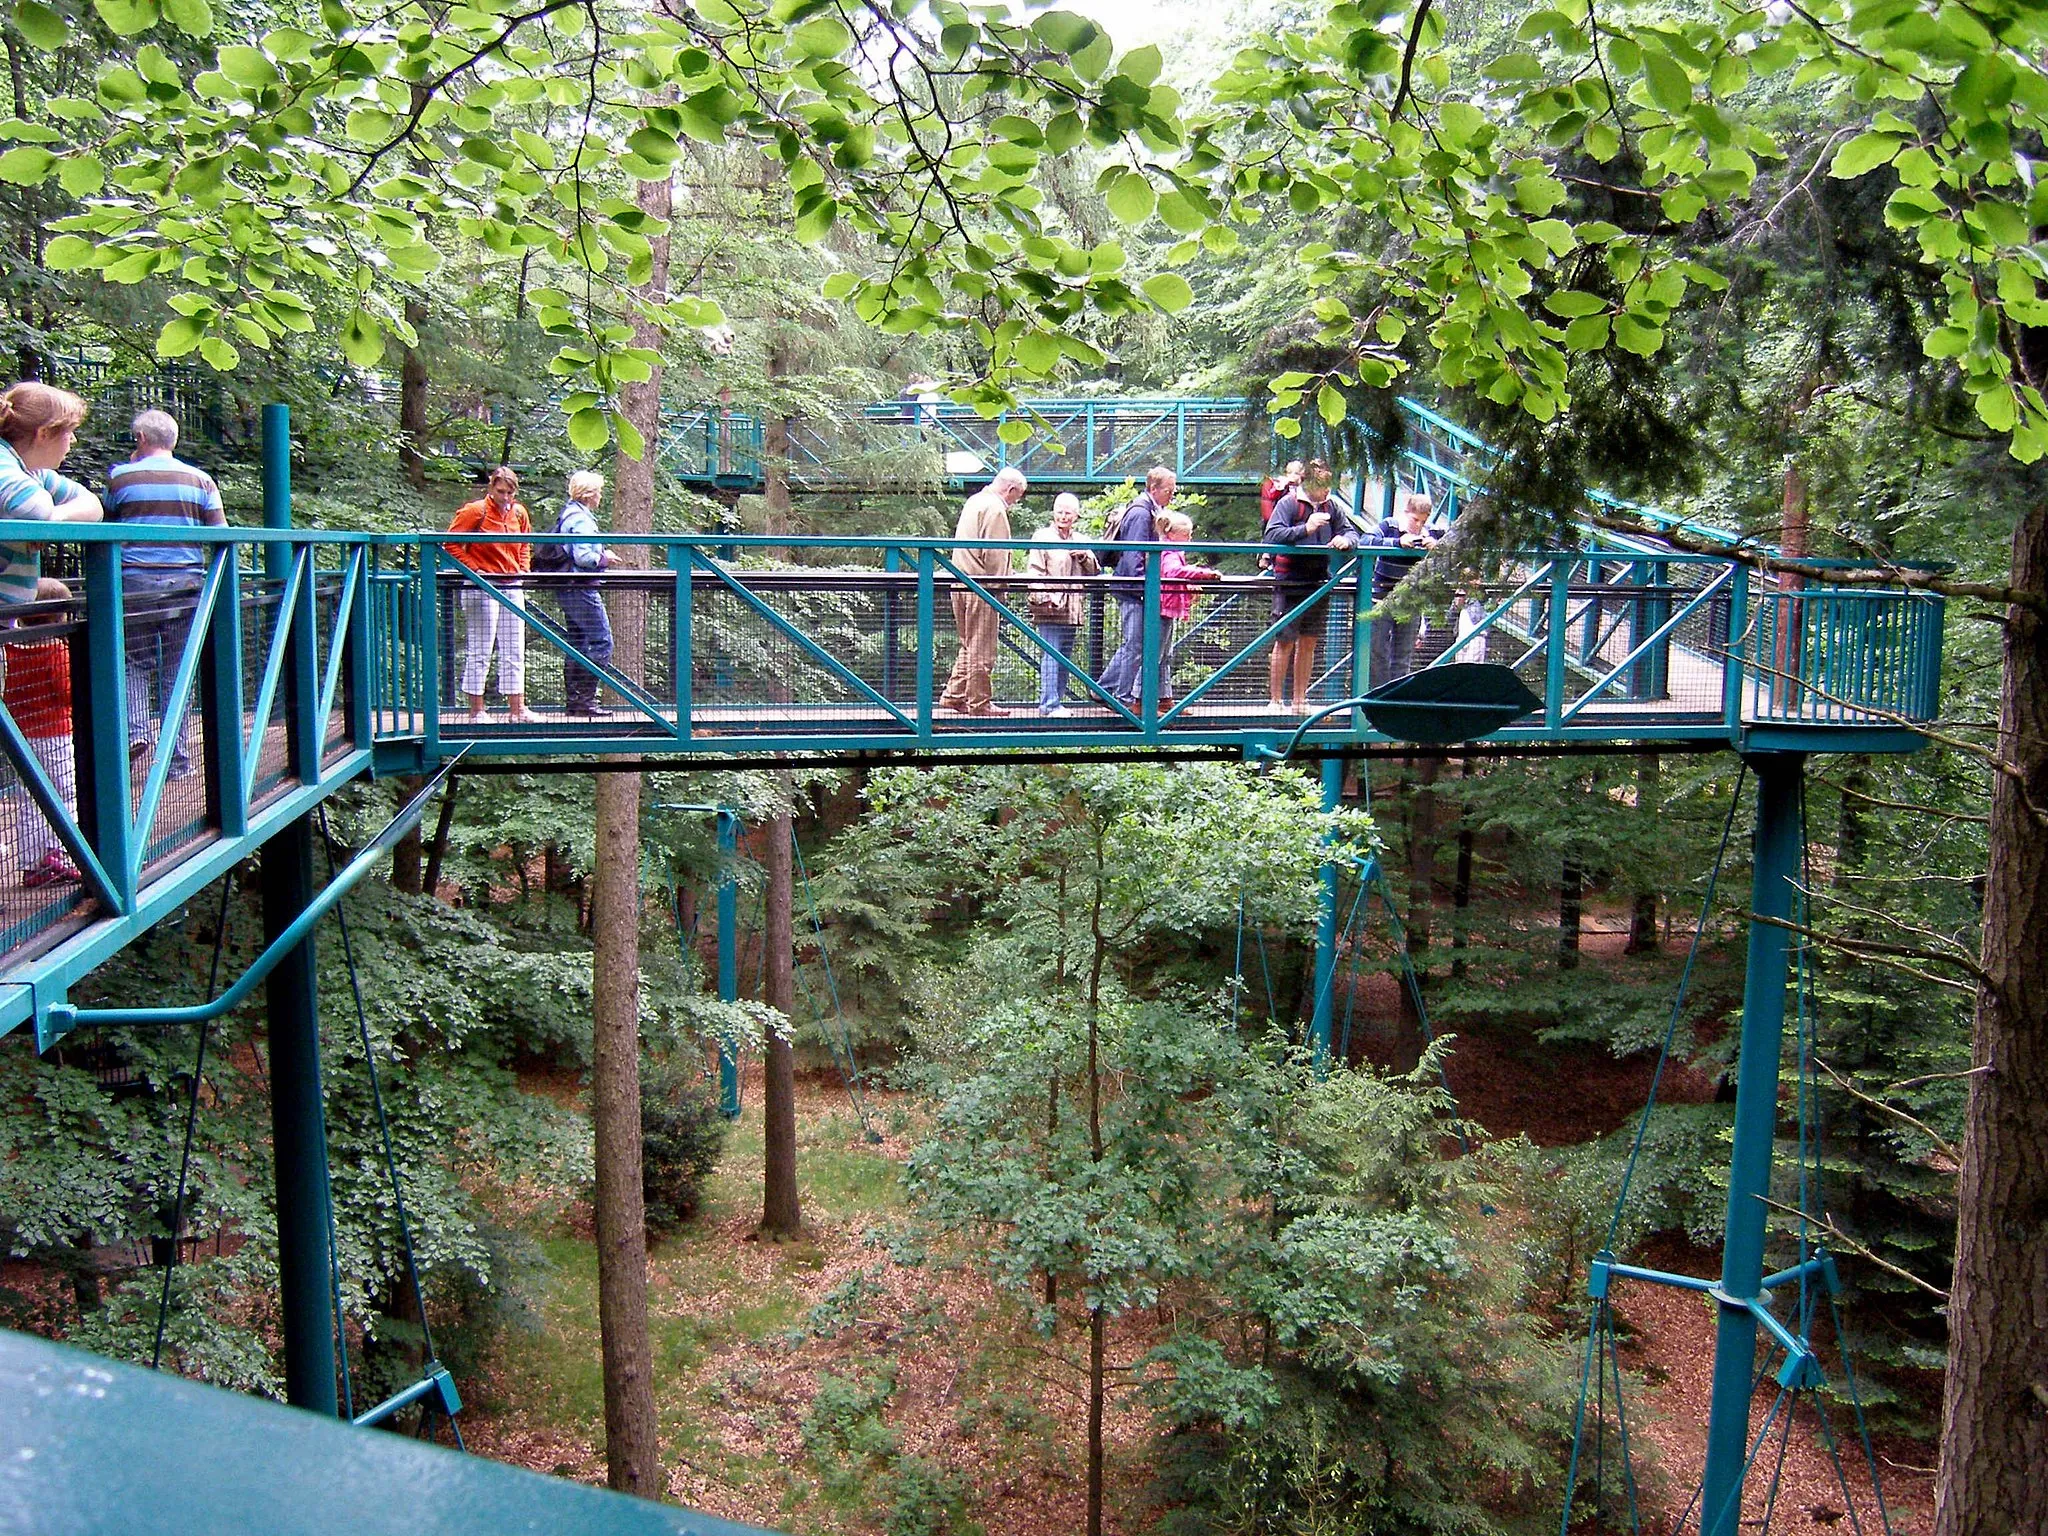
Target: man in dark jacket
[
  {"x": 1398, "y": 546},
  {"x": 1307, "y": 524},
  {"x": 1124, "y": 677}
]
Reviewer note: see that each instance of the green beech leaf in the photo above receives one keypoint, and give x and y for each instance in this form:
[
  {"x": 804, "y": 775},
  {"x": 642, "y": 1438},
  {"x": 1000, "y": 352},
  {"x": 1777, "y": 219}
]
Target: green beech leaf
[
  {"x": 362, "y": 340},
  {"x": 1571, "y": 303},
  {"x": 249, "y": 68},
  {"x": 1130, "y": 198},
  {"x": 1330, "y": 405},
  {"x": 194, "y": 18},
  {"x": 68, "y": 253},
  {"x": 40, "y": 25},
  {"x": 589, "y": 430},
  {"x": 1865, "y": 152},
  {"x": 26, "y": 165},
  {"x": 1670, "y": 86},
  {"x": 1170, "y": 291},
  {"x": 180, "y": 336},
  {"x": 127, "y": 17},
  {"x": 81, "y": 175},
  {"x": 219, "y": 353}
]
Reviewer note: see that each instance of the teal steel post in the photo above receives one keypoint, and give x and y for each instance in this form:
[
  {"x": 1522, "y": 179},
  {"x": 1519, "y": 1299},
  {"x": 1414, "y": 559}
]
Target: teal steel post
[
  {"x": 728, "y": 955},
  {"x": 1779, "y": 841},
  {"x": 1556, "y": 640},
  {"x": 99, "y": 706},
  {"x": 298, "y": 1110},
  {"x": 1326, "y": 929}
]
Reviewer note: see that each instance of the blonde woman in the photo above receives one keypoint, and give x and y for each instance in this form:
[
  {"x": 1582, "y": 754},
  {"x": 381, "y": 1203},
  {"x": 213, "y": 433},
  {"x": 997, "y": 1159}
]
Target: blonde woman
[
  {"x": 577, "y": 549},
  {"x": 488, "y": 625},
  {"x": 37, "y": 424}
]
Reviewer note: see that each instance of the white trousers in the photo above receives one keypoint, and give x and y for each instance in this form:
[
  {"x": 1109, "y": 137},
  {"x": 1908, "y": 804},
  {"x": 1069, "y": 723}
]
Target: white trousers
[
  {"x": 33, "y": 838},
  {"x": 489, "y": 625}
]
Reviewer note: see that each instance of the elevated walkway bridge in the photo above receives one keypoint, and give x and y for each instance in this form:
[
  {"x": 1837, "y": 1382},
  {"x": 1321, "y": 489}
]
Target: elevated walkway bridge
[
  {"x": 1080, "y": 444},
  {"x": 305, "y": 661}
]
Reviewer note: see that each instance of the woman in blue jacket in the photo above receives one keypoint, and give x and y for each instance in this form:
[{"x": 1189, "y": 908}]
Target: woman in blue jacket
[{"x": 581, "y": 550}]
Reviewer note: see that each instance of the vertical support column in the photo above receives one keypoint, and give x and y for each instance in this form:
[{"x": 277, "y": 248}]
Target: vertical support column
[
  {"x": 926, "y": 638},
  {"x": 728, "y": 955},
  {"x": 1779, "y": 840},
  {"x": 1735, "y": 641},
  {"x": 1556, "y": 640},
  {"x": 892, "y": 563},
  {"x": 682, "y": 559},
  {"x": 298, "y": 1119},
  {"x": 298, "y": 1110},
  {"x": 434, "y": 657},
  {"x": 220, "y": 695},
  {"x": 99, "y": 708},
  {"x": 1326, "y": 930}
]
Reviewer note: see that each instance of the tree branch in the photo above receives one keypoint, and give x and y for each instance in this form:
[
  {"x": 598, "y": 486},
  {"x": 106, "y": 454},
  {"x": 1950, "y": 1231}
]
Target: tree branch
[
  {"x": 1408, "y": 58},
  {"x": 1844, "y": 1240}
]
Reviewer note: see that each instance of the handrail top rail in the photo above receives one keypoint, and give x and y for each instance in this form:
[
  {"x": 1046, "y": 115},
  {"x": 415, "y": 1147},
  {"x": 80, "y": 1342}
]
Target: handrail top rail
[{"x": 17, "y": 530}]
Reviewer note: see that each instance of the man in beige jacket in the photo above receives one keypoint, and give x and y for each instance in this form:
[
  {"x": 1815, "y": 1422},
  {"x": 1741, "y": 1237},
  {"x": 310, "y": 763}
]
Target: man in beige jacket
[
  {"x": 985, "y": 516},
  {"x": 1057, "y": 601}
]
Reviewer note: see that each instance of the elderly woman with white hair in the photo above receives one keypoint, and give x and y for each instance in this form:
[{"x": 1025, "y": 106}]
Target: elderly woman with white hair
[
  {"x": 578, "y": 549},
  {"x": 1057, "y": 598}
]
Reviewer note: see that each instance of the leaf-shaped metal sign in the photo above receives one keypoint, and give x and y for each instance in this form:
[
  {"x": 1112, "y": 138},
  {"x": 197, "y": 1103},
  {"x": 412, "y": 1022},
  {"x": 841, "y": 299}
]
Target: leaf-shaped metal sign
[{"x": 1459, "y": 701}]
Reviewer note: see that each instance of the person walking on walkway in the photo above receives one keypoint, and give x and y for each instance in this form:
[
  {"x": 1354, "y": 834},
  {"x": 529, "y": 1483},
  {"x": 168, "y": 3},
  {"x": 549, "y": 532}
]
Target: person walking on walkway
[
  {"x": 1177, "y": 577},
  {"x": 1057, "y": 600},
  {"x": 37, "y": 693},
  {"x": 489, "y": 626},
  {"x": 578, "y": 548},
  {"x": 1307, "y": 524},
  {"x": 37, "y": 425},
  {"x": 160, "y": 583},
  {"x": 1124, "y": 677},
  {"x": 985, "y": 516},
  {"x": 1398, "y": 546}
]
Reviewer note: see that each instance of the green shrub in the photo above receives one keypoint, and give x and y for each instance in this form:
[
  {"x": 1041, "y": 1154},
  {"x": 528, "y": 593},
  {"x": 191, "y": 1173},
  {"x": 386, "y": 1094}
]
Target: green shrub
[{"x": 682, "y": 1136}]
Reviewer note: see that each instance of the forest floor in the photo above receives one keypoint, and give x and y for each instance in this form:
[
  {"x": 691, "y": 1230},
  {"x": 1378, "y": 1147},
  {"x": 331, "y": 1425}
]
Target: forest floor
[{"x": 822, "y": 1386}]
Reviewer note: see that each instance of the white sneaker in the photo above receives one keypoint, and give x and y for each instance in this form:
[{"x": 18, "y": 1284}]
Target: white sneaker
[{"x": 1057, "y": 712}]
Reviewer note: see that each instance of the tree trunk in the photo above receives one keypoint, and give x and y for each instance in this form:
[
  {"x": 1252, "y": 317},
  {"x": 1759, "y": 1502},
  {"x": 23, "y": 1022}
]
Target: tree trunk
[
  {"x": 781, "y": 1217},
  {"x": 405, "y": 855},
  {"x": 1461, "y": 884},
  {"x": 1642, "y": 917},
  {"x": 1571, "y": 896},
  {"x": 632, "y": 1439},
  {"x": 775, "y": 453},
  {"x": 430, "y": 878},
  {"x": 1995, "y": 1415},
  {"x": 1097, "y": 1375},
  {"x": 1421, "y": 875},
  {"x": 412, "y": 404}
]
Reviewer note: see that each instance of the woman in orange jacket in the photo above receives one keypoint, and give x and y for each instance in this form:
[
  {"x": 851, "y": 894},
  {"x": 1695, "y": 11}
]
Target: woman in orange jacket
[{"x": 489, "y": 625}]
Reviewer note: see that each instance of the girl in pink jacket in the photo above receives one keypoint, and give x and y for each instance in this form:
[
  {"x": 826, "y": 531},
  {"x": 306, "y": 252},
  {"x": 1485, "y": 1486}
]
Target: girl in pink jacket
[{"x": 1177, "y": 577}]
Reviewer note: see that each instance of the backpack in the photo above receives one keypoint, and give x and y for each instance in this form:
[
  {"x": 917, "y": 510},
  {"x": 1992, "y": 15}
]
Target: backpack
[
  {"x": 1113, "y": 529},
  {"x": 552, "y": 555}
]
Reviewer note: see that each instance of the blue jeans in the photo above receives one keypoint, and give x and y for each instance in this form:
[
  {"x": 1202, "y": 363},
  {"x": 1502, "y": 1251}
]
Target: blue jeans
[
  {"x": 1052, "y": 677},
  {"x": 160, "y": 609},
  {"x": 1124, "y": 676},
  {"x": 589, "y": 629}
]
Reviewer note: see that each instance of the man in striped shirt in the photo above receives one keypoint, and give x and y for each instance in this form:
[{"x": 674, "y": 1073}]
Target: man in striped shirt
[{"x": 160, "y": 582}]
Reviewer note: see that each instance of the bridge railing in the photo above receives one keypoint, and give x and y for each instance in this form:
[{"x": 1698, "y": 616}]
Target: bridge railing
[
  {"x": 149, "y": 725},
  {"x": 717, "y": 647}
]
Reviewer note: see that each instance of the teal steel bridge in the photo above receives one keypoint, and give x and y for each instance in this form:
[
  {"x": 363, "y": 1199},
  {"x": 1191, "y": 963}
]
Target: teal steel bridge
[
  {"x": 309, "y": 660},
  {"x": 1076, "y": 444}
]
